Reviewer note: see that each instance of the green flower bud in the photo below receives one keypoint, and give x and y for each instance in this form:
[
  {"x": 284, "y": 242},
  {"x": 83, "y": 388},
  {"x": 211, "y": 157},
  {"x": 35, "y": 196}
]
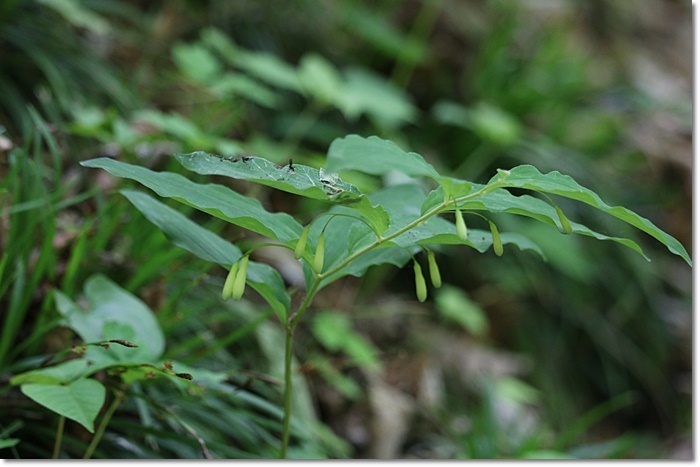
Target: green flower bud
[
  {"x": 461, "y": 226},
  {"x": 228, "y": 285},
  {"x": 320, "y": 251},
  {"x": 239, "y": 281},
  {"x": 497, "y": 244},
  {"x": 565, "y": 224},
  {"x": 421, "y": 288},
  {"x": 301, "y": 243},
  {"x": 434, "y": 271}
]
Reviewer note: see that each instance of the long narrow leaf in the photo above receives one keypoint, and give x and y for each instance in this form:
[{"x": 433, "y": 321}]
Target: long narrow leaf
[
  {"x": 216, "y": 200},
  {"x": 210, "y": 247},
  {"x": 528, "y": 177},
  {"x": 293, "y": 178},
  {"x": 502, "y": 200}
]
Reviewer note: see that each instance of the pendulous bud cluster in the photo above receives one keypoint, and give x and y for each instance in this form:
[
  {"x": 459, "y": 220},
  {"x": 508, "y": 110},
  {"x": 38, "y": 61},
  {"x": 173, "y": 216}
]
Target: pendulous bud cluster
[{"x": 234, "y": 286}]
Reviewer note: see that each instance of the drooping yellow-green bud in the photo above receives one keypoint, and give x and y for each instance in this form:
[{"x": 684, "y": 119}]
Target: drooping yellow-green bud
[
  {"x": 497, "y": 243},
  {"x": 461, "y": 226},
  {"x": 228, "y": 285},
  {"x": 320, "y": 250},
  {"x": 301, "y": 243},
  {"x": 421, "y": 288},
  {"x": 239, "y": 281},
  {"x": 434, "y": 271},
  {"x": 565, "y": 224}
]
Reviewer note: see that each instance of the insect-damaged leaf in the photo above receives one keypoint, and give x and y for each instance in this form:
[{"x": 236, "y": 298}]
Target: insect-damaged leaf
[
  {"x": 216, "y": 200},
  {"x": 293, "y": 178}
]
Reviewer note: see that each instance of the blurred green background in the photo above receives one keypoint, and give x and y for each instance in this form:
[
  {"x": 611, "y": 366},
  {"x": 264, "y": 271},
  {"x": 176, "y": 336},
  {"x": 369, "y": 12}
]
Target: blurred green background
[{"x": 587, "y": 355}]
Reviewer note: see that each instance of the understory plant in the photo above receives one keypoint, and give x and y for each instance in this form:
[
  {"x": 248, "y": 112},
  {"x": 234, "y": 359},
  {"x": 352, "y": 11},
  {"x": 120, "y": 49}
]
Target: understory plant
[{"x": 402, "y": 223}]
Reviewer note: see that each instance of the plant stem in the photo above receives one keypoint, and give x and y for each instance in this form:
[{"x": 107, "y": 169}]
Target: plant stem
[
  {"x": 294, "y": 318},
  {"x": 59, "y": 437},
  {"x": 288, "y": 354},
  {"x": 289, "y": 334},
  {"x": 103, "y": 425}
]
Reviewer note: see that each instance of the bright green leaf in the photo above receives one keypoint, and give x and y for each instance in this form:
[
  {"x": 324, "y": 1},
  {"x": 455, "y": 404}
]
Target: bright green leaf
[
  {"x": 80, "y": 400},
  {"x": 111, "y": 313},
  {"x": 455, "y": 305},
  {"x": 196, "y": 62},
  {"x": 375, "y": 156},
  {"x": 369, "y": 94},
  {"x": 63, "y": 373},
  {"x": 319, "y": 78},
  {"x": 8, "y": 443},
  {"x": 268, "y": 68},
  {"x": 334, "y": 331},
  {"x": 241, "y": 85}
]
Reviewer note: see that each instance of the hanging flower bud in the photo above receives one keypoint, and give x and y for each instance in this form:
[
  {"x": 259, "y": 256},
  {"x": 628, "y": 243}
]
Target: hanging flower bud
[
  {"x": 301, "y": 243},
  {"x": 318, "y": 258},
  {"x": 565, "y": 224},
  {"x": 497, "y": 244},
  {"x": 239, "y": 281},
  {"x": 421, "y": 288},
  {"x": 461, "y": 226},
  {"x": 434, "y": 271},
  {"x": 228, "y": 285}
]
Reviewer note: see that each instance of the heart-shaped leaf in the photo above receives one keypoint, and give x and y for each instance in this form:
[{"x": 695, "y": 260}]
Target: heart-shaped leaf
[
  {"x": 114, "y": 312},
  {"x": 80, "y": 400}
]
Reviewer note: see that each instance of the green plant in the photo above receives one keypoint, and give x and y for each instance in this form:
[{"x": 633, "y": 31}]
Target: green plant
[{"x": 360, "y": 230}]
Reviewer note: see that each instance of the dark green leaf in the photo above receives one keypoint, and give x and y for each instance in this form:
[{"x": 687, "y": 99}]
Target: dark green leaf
[
  {"x": 528, "y": 177},
  {"x": 297, "y": 179},
  {"x": 216, "y": 200},
  {"x": 500, "y": 200},
  {"x": 210, "y": 247}
]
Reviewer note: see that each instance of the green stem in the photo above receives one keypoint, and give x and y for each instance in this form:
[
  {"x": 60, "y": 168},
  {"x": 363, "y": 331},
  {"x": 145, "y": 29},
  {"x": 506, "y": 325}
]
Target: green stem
[
  {"x": 288, "y": 354},
  {"x": 288, "y": 338},
  {"x": 103, "y": 425},
  {"x": 294, "y": 318},
  {"x": 59, "y": 437}
]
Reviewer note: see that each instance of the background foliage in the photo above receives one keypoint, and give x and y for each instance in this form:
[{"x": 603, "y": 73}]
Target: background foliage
[{"x": 587, "y": 355}]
